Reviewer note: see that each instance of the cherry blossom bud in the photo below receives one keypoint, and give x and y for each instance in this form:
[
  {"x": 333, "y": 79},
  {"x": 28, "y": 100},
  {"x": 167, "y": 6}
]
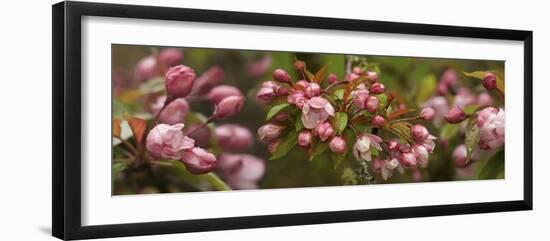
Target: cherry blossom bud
[
  {"x": 392, "y": 145},
  {"x": 351, "y": 76},
  {"x": 324, "y": 131},
  {"x": 299, "y": 65},
  {"x": 377, "y": 164},
  {"x": 427, "y": 113},
  {"x": 280, "y": 117},
  {"x": 228, "y": 107},
  {"x": 407, "y": 159},
  {"x": 282, "y": 91},
  {"x": 146, "y": 68},
  {"x": 211, "y": 77},
  {"x": 455, "y": 115},
  {"x": 168, "y": 141},
  {"x": 198, "y": 161},
  {"x": 378, "y": 121},
  {"x": 332, "y": 78},
  {"x": 357, "y": 70},
  {"x": 421, "y": 154},
  {"x": 459, "y": 155},
  {"x": 312, "y": 90},
  {"x": 281, "y": 75},
  {"x": 232, "y": 137},
  {"x": 360, "y": 98},
  {"x": 297, "y": 98},
  {"x": 173, "y": 113},
  {"x": 272, "y": 146},
  {"x": 419, "y": 132},
  {"x": 269, "y": 132},
  {"x": 372, "y": 76},
  {"x": 304, "y": 138},
  {"x": 179, "y": 81},
  {"x": 377, "y": 88},
  {"x": 371, "y": 104},
  {"x": 338, "y": 144},
  {"x": 170, "y": 57},
  {"x": 301, "y": 85},
  {"x": 267, "y": 92},
  {"x": 490, "y": 81},
  {"x": 219, "y": 92}
]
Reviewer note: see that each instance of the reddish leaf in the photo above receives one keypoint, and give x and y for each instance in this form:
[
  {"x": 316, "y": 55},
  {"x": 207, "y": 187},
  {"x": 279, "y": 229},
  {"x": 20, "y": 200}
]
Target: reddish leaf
[
  {"x": 138, "y": 127},
  {"x": 116, "y": 127},
  {"x": 320, "y": 75}
]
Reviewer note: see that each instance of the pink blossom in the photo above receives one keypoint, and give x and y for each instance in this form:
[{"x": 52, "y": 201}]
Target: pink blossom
[
  {"x": 305, "y": 138},
  {"x": 297, "y": 98},
  {"x": 393, "y": 145},
  {"x": 377, "y": 88},
  {"x": 281, "y": 75},
  {"x": 357, "y": 70},
  {"x": 179, "y": 81},
  {"x": 352, "y": 76},
  {"x": 211, "y": 77},
  {"x": 371, "y": 104},
  {"x": 324, "y": 131},
  {"x": 361, "y": 149},
  {"x": 360, "y": 97},
  {"x": 490, "y": 81},
  {"x": 258, "y": 67},
  {"x": 428, "y": 143},
  {"x": 170, "y": 57},
  {"x": 168, "y": 141},
  {"x": 419, "y": 132},
  {"x": 315, "y": 111},
  {"x": 267, "y": 92},
  {"x": 408, "y": 159},
  {"x": 146, "y": 68},
  {"x": 198, "y": 161},
  {"x": 455, "y": 115},
  {"x": 219, "y": 92},
  {"x": 173, "y": 113},
  {"x": 228, "y": 107},
  {"x": 389, "y": 166},
  {"x": 491, "y": 128},
  {"x": 421, "y": 154},
  {"x": 484, "y": 99},
  {"x": 332, "y": 78},
  {"x": 459, "y": 155},
  {"x": 440, "y": 105},
  {"x": 378, "y": 121},
  {"x": 372, "y": 76},
  {"x": 338, "y": 144},
  {"x": 241, "y": 171},
  {"x": 233, "y": 137},
  {"x": 270, "y": 132},
  {"x": 427, "y": 113},
  {"x": 312, "y": 90}
]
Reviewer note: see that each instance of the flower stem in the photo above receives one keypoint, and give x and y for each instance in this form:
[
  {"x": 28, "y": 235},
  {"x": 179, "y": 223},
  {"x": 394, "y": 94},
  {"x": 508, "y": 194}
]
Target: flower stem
[
  {"x": 336, "y": 83},
  {"x": 210, "y": 119},
  {"x": 405, "y": 119},
  {"x": 128, "y": 145}
]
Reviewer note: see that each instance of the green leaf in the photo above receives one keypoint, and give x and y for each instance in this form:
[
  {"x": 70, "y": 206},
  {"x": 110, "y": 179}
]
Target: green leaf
[
  {"x": 287, "y": 143},
  {"x": 339, "y": 93},
  {"x": 276, "y": 110},
  {"x": 298, "y": 123},
  {"x": 153, "y": 85},
  {"x": 428, "y": 84},
  {"x": 494, "y": 166},
  {"x": 402, "y": 130},
  {"x": 318, "y": 149},
  {"x": 197, "y": 181},
  {"x": 341, "y": 121},
  {"x": 470, "y": 109},
  {"x": 471, "y": 138},
  {"x": 448, "y": 131},
  {"x": 337, "y": 158},
  {"x": 481, "y": 74},
  {"x": 118, "y": 167}
]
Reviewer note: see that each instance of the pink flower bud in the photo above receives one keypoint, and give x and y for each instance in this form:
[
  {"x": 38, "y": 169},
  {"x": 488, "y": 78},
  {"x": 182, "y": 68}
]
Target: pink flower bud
[
  {"x": 312, "y": 90},
  {"x": 371, "y": 104},
  {"x": 357, "y": 70},
  {"x": 267, "y": 92},
  {"x": 419, "y": 132},
  {"x": 297, "y": 98},
  {"x": 281, "y": 75},
  {"x": 378, "y": 121},
  {"x": 427, "y": 113},
  {"x": 269, "y": 132},
  {"x": 272, "y": 146},
  {"x": 407, "y": 159},
  {"x": 179, "y": 81},
  {"x": 146, "y": 68},
  {"x": 491, "y": 128},
  {"x": 228, "y": 107},
  {"x": 301, "y": 85},
  {"x": 324, "y": 131},
  {"x": 259, "y": 67},
  {"x": 490, "y": 81},
  {"x": 299, "y": 65},
  {"x": 210, "y": 78},
  {"x": 455, "y": 115},
  {"x": 219, "y": 92},
  {"x": 168, "y": 142},
  {"x": 241, "y": 171},
  {"x": 232, "y": 137},
  {"x": 421, "y": 154},
  {"x": 198, "y": 161},
  {"x": 282, "y": 91},
  {"x": 360, "y": 97},
  {"x": 459, "y": 155},
  {"x": 304, "y": 138},
  {"x": 332, "y": 78},
  {"x": 372, "y": 76},
  {"x": 173, "y": 113},
  {"x": 377, "y": 164},
  {"x": 280, "y": 117},
  {"x": 337, "y": 144},
  {"x": 377, "y": 88},
  {"x": 170, "y": 57},
  {"x": 393, "y": 145}
]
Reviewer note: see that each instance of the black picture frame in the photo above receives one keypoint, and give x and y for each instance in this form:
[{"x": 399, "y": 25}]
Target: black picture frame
[{"x": 66, "y": 47}]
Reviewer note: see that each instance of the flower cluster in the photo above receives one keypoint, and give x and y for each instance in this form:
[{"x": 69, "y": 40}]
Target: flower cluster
[{"x": 325, "y": 115}]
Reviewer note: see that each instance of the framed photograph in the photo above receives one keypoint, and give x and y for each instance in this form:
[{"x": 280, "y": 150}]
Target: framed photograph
[{"x": 169, "y": 120}]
